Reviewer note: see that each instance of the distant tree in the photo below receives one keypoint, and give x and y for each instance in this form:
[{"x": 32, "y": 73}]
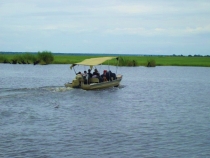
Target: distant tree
[{"x": 197, "y": 55}]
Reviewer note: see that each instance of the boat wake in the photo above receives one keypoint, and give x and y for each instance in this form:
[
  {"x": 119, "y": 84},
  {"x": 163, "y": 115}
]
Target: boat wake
[
  {"x": 58, "y": 89},
  {"x": 9, "y": 92},
  {"x": 121, "y": 86}
]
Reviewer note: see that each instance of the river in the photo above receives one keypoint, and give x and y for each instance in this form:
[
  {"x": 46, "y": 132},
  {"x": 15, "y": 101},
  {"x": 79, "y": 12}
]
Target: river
[{"x": 155, "y": 112}]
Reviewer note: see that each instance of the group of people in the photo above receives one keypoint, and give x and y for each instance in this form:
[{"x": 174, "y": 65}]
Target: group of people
[{"x": 106, "y": 76}]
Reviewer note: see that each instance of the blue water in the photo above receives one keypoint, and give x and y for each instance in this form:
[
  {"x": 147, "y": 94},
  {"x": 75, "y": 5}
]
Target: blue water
[{"x": 155, "y": 112}]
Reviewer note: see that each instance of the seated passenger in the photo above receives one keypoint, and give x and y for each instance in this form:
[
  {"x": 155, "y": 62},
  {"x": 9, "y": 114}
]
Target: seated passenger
[
  {"x": 97, "y": 75},
  {"x": 112, "y": 75},
  {"x": 85, "y": 76},
  {"x": 89, "y": 75},
  {"x": 79, "y": 75},
  {"x": 104, "y": 76}
]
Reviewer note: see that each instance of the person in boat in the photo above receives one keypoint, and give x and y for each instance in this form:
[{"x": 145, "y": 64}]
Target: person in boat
[
  {"x": 89, "y": 75},
  {"x": 79, "y": 75},
  {"x": 85, "y": 76},
  {"x": 96, "y": 74},
  {"x": 111, "y": 75},
  {"x": 105, "y": 76}
]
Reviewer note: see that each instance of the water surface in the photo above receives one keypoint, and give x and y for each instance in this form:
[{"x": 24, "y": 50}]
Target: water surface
[{"x": 155, "y": 112}]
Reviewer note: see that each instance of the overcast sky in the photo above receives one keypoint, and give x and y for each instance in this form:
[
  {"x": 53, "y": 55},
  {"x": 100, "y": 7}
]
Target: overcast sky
[{"x": 109, "y": 26}]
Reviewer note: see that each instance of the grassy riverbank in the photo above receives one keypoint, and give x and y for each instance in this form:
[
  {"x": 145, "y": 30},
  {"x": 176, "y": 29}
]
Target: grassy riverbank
[
  {"x": 125, "y": 60},
  {"x": 43, "y": 58},
  {"x": 143, "y": 60}
]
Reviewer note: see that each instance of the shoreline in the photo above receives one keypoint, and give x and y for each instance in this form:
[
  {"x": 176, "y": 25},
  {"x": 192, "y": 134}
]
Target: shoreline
[{"x": 129, "y": 60}]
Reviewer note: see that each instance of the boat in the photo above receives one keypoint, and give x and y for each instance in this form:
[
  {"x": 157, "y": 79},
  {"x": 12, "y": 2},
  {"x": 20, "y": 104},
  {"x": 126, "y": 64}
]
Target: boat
[{"x": 94, "y": 83}]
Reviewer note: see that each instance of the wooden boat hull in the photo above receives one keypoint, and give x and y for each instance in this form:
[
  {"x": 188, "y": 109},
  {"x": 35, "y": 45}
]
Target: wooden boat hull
[{"x": 100, "y": 85}]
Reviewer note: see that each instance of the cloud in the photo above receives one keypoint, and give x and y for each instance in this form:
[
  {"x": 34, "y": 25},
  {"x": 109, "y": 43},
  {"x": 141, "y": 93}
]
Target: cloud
[
  {"x": 160, "y": 31},
  {"x": 198, "y": 30},
  {"x": 83, "y": 20},
  {"x": 160, "y": 7}
]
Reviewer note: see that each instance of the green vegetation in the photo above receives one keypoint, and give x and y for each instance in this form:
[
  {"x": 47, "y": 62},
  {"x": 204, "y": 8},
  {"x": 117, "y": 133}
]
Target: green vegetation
[
  {"x": 123, "y": 61},
  {"x": 43, "y": 58},
  {"x": 46, "y": 57},
  {"x": 151, "y": 63},
  {"x": 141, "y": 60},
  {"x": 3, "y": 59}
]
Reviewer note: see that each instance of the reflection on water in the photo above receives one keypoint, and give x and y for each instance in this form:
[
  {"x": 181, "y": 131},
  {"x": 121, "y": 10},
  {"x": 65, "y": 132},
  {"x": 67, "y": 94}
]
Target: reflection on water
[{"x": 155, "y": 112}]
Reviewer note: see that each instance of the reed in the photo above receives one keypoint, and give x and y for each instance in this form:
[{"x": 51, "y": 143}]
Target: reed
[
  {"x": 123, "y": 60},
  {"x": 43, "y": 58},
  {"x": 29, "y": 57},
  {"x": 3, "y": 59},
  {"x": 151, "y": 63}
]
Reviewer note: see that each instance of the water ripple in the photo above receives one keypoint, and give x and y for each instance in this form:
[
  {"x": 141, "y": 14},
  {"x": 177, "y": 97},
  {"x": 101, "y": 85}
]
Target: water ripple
[{"x": 165, "y": 115}]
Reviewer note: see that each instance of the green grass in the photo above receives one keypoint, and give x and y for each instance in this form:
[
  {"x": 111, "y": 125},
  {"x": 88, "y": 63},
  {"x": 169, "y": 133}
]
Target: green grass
[
  {"x": 182, "y": 61},
  {"x": 142, "y": 60},
  {"x": 129, "y": 60},
  {"x": 44, "y": 57}
]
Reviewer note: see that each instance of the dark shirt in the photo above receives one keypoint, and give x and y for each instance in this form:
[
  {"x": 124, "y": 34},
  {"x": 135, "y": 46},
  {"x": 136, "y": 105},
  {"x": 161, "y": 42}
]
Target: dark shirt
[
  {"x": 96, "y": 73},
  {"x": 111, "y": 75},
  {"x": 89, "y": 74}
]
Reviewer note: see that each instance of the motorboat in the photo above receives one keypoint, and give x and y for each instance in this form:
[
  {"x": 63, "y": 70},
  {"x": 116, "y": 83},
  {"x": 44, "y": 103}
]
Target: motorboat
[{"x": 90, "y": 82}]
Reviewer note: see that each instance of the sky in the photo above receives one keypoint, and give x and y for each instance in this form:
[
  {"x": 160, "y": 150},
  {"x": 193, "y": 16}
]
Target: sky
[{"x": 159, "y": 27}]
